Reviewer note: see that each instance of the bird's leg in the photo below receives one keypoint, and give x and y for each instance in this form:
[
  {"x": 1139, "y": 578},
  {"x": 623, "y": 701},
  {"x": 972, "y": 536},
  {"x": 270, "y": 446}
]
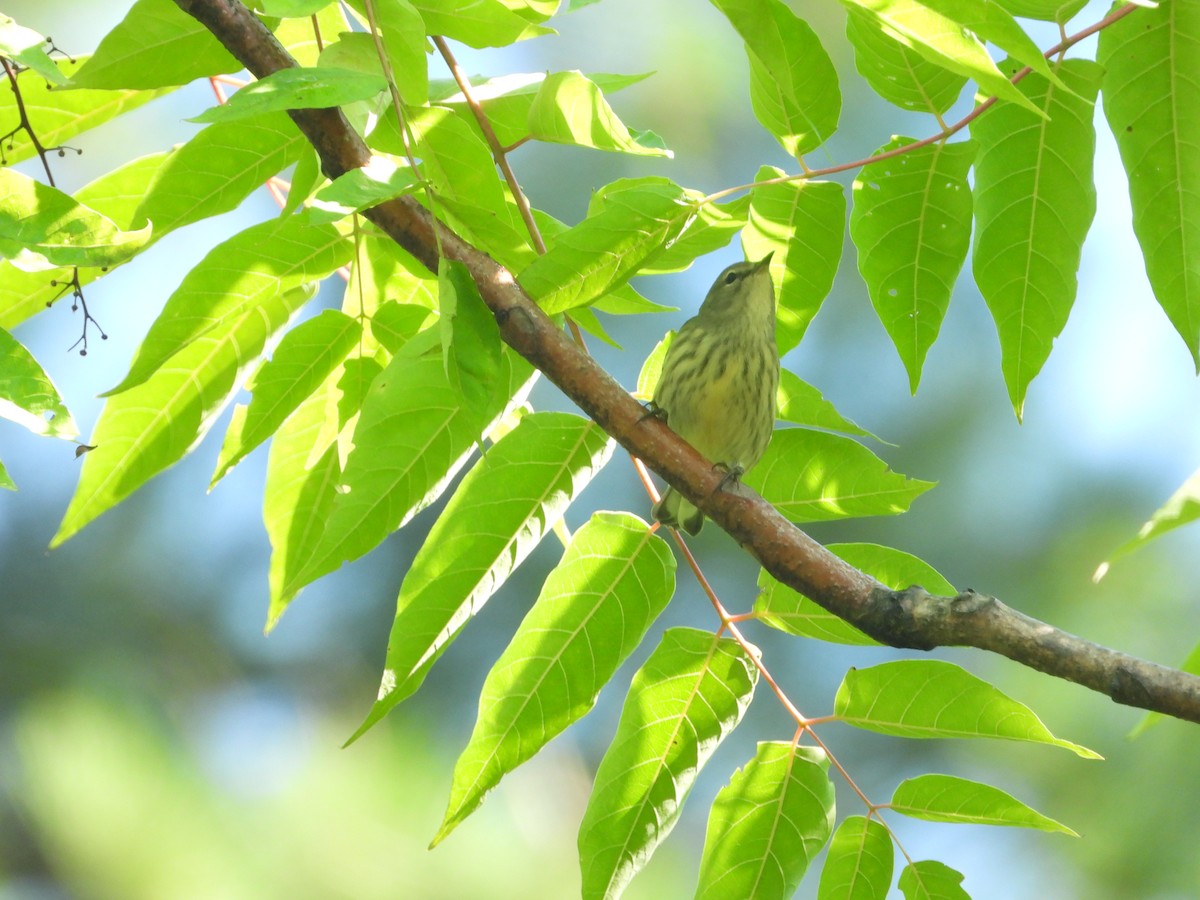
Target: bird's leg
[
  {"x": 732, "y": 475},
  {"x": 653, "y": 411}
]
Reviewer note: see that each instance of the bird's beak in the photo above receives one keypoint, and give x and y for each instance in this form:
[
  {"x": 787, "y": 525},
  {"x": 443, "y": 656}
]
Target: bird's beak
[{"x": 764, "y": 262}]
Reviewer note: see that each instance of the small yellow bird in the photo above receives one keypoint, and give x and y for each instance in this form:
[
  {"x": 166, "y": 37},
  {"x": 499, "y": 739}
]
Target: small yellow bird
[{"x": 719, "y": 380}]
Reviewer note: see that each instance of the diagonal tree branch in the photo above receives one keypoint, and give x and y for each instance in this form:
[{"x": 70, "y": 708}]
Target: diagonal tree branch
[{"x": 910, "y": 618}]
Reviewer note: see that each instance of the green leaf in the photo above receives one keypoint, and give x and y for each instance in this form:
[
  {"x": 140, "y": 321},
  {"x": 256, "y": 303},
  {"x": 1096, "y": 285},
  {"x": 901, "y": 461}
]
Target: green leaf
[
  {"x": 1151, "y": 63},
  {"x": 690, "y": 694},
  {"x": 713, "y": 227},
  {"x": 305, "y": 39},
  {"x": 460, "y": 167},
  {"x": 533, "y": 10},
  {"x": 931, "y": 880},
  {"x": 299, "y": 491},
  {"x": 412, "y": 438},
  {"x": 511, "y": 498},
  {"x": 945, "y": 798},
  {"x": 942, "y": 41},
  {"x": 934, "y": 699},
  {"x": 911, "y": 223},
  {"x": 1061, "y": 11},
  {"x": 570, "y": 109},
  {"x": 652, "y": 368},
  {"x": 859, "y": 863},
  {"x": 28, "y": 396},
  {"x": 27, "y": 48},
  {"x": 230, "y": 285},
  {"x": 6, "y": 481},
  {"x": 115, "y": 195},
  {"x": 788, "y": 610},
  {"x": 1181, "y": 507},
  {"x": 295, "y": 88},
  {"x": 152, "y": 426},
  {"x": 56, "y": 116},
  {"x": 304, "y": 358},
  {"x": 217, "y": 169},
  {"x": 801, "y": 403},
  {"x": 793, "y": 84},
  {"x": 767, "y": 824},
  {"x": 477, "y": 23},
  {"x": 156, "y": 45},
  {"x": 508, "y": 99},
  {"x": 395, "y": 324},
  {"x": 895, "y": 71},
  {"x": 403, "y": 34},
  {"x": 605, "y": 249},
  {"x": 594, "y": 609},
  {"x": 293, "y": 8},
  {"x": 812, "y": 476},
  {"x": 993, "y": 23},
  {"x": 43, "y": 228},
  {"x": 1034, "y": 202},
  {"x": 802, "y": 223},
  {"x": 470, "y": 338},
  {"x": 379, "y": 180}
]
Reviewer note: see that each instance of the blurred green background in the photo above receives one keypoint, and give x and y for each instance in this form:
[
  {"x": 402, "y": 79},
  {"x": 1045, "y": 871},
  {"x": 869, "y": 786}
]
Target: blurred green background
[{"x": 154, "y": 744}]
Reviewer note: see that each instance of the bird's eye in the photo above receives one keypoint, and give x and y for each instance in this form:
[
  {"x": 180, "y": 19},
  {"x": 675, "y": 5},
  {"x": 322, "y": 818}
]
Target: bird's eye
[{"x": 731, "y": 277}]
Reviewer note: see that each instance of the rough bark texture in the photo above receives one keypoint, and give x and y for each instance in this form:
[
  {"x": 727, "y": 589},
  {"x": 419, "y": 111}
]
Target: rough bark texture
[{"x": 911, "y": 618}]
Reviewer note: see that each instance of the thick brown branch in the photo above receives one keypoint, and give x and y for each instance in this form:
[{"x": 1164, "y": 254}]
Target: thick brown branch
[{"x": 909, "y": 618}]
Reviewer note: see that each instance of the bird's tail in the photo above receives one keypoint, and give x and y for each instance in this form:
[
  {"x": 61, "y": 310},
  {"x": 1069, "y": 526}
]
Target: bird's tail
[{"x": 674, "y": 510}]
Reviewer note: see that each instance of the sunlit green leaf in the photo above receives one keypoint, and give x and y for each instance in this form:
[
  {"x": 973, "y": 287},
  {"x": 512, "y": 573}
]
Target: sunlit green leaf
[
  {"x": 690, "y": 694},
  {"x": 946, "y": 798},
  {"x": 42, "y": 228},
  {"x": 152, "y": 426},
  {"x": 295, "y": 88},
  {"x": 115, "y": 195},
  {"x": 812, "y": 476},
  {"x": 304, "y": 358},
  {"x": 930, "y": 698},
  {"x": 403, "y": 34},
  {"x": 911, "y": 223},
  {"x": 801, "y": 403},
  {"x": 27, "y": 48},
  {"x": 470, "y": 339},
  {"x": 1034, "y": 202},
  {"x": 859, "y": 863},
  {"x": 895, "y": 71},
  {"x": 793, "y": 84},
  {"x": 477, "y": 23},
  {"x": 788, "y": 610},
  {"x": 594, "y": 609},
  {"x": 504, "y": 506},
  {"x": 412, "y": 438},
  {"x": 6, "y": 481},
  {"x": 156, "y": 45},
  {"x": 767, "y": 824},
  {"x": 605, "y": 249},
  {"x": 299, "y": 492},
  {"x": 1060, "y": 11},
  {"x": 379, "y": 180},
  {"x": 232, "y": 282},
  {"x": 994, "y": 24},
  {"x": 940, "y": 40},
  {"x": 28, "y": 396},
  {"x": 1151, "y": 62},
  {"x": 931, "y": 880},
  {"x": 802, "y": 224},
  {"x": 1181, "y": 507},
  {"x": 570, "y": 109},
  {"x": 217, "y": 169}
]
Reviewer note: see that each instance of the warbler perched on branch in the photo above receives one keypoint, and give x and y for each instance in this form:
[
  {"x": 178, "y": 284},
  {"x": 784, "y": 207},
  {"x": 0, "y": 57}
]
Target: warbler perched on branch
[{"x": 719, "y": 380}]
